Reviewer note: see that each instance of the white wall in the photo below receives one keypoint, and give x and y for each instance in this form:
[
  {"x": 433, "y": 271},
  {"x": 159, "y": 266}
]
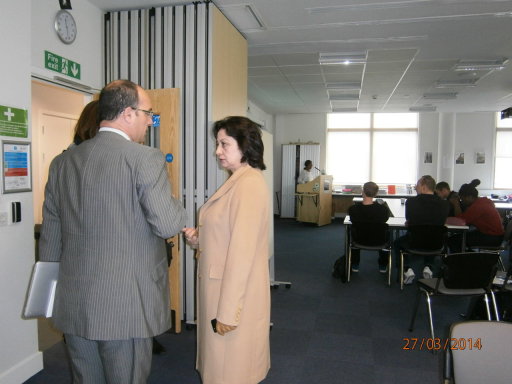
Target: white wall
[
  {"x": 86, "y": 49},
  {"x": 428, "y": 136},
  {"x": 475, "y": 132},
  {"x": 442, "y": 134},
  {"x": 27, "y": 27},
  {"x": 259, "y": 116},
  {"x": 19, "y": 357}
]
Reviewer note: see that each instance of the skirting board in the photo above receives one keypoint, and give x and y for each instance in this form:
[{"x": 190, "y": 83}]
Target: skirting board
[{"x": 24, "y": 370}]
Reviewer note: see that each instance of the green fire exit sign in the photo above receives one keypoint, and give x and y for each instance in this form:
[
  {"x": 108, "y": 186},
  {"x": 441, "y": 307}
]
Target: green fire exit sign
[{"x": 62, "y": 65}]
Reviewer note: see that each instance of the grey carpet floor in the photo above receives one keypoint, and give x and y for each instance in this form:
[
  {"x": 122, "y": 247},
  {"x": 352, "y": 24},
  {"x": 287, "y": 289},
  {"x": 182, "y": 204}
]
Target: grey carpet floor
[{"x": 323, "y": 331}]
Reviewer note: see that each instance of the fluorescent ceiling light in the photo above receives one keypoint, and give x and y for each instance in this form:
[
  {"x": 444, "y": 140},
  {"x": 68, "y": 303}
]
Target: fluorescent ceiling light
[
  {"x": 423, "y": 108},
  {"x": 365, "y": 7},
  {"x": 344, "y": 97},
  {"x": 342, "y": 58},
  {"x": 354, "y": 109},
  {"x": 344, "y": 85},
  {"x": 457, "y": 83},
  {"x": 481, "y": 65},
  {"x": 440, "y": 96}
]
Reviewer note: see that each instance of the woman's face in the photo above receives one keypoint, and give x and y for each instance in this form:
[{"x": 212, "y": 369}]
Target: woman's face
[{"x": 228, "y": 152}]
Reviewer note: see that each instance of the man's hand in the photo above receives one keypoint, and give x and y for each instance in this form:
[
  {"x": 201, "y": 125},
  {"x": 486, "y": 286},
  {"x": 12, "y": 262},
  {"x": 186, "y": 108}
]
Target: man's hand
[{"x": 191, "y": 236}]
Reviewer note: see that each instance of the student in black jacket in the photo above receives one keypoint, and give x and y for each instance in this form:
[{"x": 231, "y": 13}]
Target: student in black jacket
[
  {"x": 369, "y": 211},
  {"x": 424, "y": 209}
]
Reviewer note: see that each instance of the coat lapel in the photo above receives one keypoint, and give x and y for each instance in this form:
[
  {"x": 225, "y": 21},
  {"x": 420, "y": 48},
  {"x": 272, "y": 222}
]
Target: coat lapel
[{"x": 226, "y": 187}]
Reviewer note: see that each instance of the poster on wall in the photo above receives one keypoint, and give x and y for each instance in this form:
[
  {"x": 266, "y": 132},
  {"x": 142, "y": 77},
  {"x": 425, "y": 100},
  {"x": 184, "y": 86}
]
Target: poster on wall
[
  {"x": 16, "y": 172},
  {"x": 480, "y": 157},
  {"x": 459, "y": 158},
  {"x": 428, "y": 158}
]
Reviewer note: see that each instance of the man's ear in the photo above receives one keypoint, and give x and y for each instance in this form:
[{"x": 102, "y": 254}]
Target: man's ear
[{"x": 127, "y": 114}]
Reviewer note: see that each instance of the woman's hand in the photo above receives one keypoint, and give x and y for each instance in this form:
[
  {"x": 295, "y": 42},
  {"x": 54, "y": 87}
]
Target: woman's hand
[
  {"x": 222, "y": 328},
  {"x": 191, "y": 236}
]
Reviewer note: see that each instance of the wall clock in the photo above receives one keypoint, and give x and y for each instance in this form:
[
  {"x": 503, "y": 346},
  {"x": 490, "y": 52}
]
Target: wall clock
[{"x": 65, "y": 26}]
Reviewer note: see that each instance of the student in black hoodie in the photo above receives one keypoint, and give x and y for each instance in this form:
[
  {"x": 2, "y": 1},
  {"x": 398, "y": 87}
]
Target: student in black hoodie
[
  {"x": 424, "y": 209},
  {"x": 369, "y": 211}
]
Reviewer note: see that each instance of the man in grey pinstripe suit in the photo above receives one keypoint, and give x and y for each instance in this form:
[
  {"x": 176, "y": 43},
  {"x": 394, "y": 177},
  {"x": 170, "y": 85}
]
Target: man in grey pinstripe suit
[{"x": 107, "y": 210}]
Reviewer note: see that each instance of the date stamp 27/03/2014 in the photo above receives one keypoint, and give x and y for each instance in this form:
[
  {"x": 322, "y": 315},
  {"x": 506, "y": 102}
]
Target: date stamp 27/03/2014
[{"x": 437, "y": 343}]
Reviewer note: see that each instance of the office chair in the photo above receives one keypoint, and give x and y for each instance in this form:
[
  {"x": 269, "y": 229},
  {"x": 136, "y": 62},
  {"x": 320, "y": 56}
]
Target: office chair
[
  {"x": 463, "y": 274},
  {"x": 370, "y": 237},
  {"x": 425, "y": 240},
  {"x": 498, "y": 249},
  {"x": 479, "y": 352}
]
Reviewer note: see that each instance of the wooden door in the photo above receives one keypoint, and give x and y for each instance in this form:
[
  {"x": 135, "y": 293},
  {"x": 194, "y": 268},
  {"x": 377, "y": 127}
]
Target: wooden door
[{"x": 165, "y": 103}]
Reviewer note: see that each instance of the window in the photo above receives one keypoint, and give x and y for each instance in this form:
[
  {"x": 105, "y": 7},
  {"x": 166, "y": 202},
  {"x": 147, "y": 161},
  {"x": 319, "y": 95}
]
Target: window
[
  {"x": 503, "y": 161},
  {"x": 382, "y": 147}
]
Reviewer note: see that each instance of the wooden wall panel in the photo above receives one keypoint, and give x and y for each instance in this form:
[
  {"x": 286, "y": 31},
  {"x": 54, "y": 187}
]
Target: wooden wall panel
[{"x": 229, "y": 69}]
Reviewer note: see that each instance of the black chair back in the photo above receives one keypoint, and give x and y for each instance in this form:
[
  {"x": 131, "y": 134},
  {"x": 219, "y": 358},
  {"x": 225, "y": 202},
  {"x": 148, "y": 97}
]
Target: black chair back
[
  {"x": 427, "y": 237},
  {"x": 469, "y": 270},
  {"x": 370, "y": 234}
]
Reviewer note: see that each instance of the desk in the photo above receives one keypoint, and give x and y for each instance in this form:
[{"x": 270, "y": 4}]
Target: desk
[
  {"x": 503, "y": 208},
  {"x": 398, "y": 223},
  {"x": 341, "y": 202}
]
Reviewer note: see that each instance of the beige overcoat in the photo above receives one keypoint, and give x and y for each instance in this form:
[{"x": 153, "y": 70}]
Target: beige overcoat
[{"x": 233, "y": 281}]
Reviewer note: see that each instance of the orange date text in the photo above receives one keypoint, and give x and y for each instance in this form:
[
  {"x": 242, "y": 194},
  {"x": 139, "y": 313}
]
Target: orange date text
[{"x": 437, "y": 343}]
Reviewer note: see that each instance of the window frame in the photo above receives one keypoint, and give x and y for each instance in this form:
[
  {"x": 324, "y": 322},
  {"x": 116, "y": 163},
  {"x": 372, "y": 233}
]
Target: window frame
[
  {"x": 499, "y": 129},
  {"x": 372, "y": 130}
]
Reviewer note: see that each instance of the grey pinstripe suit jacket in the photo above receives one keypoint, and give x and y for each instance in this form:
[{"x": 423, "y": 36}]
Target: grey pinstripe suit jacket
[{"x": 107, "y": 209}]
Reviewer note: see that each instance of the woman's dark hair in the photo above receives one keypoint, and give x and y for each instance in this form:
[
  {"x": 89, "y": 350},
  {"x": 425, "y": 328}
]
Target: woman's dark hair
[
  {"x": 442, "y": 185},
  {"x": 88, "y": 124},
  {"x": 247, "y": 134},
  {"x": 469, "y": 190},
  {"x": 307, "y": 163},
  {"x": 115, "y": 97}
]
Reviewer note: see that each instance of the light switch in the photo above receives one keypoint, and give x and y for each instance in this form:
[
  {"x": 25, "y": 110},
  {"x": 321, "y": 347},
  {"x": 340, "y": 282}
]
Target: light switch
[{"x": 16, "y": 211}]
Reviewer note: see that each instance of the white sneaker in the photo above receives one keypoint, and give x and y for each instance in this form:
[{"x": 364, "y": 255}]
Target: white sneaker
[
  {"x": 427, "y": 272},
  {"x": 409, "y": 276}
]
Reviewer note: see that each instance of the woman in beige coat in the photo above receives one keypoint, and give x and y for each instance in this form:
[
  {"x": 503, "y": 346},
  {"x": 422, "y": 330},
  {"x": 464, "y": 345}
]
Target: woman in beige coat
[{"x": 233, "y": 287}]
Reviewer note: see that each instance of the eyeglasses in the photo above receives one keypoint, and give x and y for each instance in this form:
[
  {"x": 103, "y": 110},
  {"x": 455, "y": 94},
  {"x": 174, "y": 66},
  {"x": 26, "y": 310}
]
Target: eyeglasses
[{"x": 148, "y": 113}]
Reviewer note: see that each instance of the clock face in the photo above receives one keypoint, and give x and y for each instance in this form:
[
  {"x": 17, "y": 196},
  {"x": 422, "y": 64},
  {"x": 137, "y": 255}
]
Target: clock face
[{"x": 65, "y": 26}]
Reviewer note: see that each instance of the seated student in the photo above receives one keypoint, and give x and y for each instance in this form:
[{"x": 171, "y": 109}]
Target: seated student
[
  {"x": 481, "y": 214},
  {"x": 369, "y": 212},
  {"x": 424, "y": 209},
  {"x": 444, "y": 192}
]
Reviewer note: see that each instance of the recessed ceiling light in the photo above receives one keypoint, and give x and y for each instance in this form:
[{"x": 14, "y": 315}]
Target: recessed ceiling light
[
  {"x": 481, "y": 65},
  {"x": 423, "y": 108},
  {"x": 342, "y": 58},
  {"x": 348, "y": 96},
  {"x": 354, "y": 109},
  {"x": 344, "y": 85},
  {"x": 440, "y": 96},
  {"x": 457, "y": 83}
]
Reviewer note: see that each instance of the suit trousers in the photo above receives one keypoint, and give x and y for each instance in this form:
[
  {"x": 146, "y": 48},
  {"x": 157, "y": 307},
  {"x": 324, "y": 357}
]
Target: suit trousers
[{"x": 109, "y": 361}]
